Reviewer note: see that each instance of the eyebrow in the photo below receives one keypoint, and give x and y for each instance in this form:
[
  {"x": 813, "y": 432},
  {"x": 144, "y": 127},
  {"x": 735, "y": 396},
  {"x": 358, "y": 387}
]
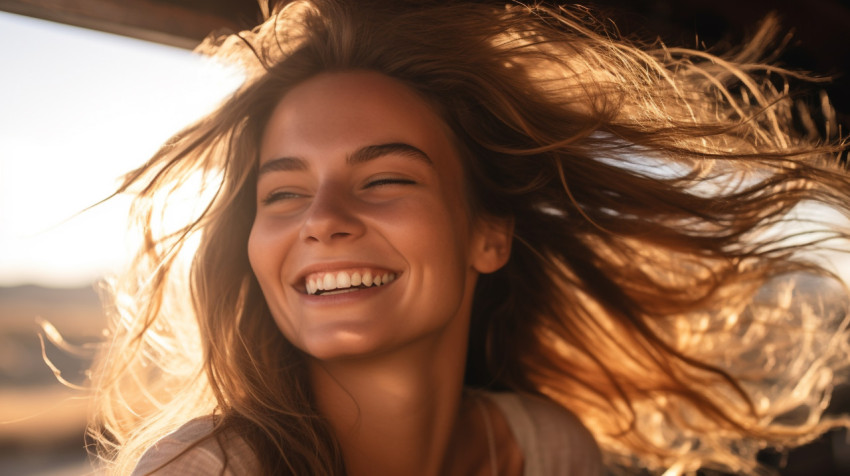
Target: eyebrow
[
  {"x": 364, "y": 154},
  {"x": 371, "y": 152}
]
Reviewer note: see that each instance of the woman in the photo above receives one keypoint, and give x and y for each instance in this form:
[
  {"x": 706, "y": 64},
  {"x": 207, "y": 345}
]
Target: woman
[{"x": 453, "y": 238}]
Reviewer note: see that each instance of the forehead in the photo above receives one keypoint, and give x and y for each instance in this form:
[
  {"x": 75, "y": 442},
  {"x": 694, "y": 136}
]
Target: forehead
[{"x": 338, "y": 112}]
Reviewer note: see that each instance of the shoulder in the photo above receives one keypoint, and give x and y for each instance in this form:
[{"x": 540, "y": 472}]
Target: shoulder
[
  {"x": 553, "y": 439},
  {"x": 562, "y": 432},
  {"x": 193, "y": 449}
]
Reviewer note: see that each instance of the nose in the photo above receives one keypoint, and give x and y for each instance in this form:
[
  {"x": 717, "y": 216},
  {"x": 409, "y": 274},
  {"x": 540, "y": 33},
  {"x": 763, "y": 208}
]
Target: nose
[{"x": 332, "y": 216}]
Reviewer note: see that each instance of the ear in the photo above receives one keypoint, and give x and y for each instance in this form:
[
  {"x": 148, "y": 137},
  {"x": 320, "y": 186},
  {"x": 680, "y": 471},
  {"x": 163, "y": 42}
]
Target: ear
[{"x": 491, "y": 243}]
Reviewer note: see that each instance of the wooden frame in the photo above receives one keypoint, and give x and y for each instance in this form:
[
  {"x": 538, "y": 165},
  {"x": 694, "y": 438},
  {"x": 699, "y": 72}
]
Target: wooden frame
[{"x": 181, "y": 23}]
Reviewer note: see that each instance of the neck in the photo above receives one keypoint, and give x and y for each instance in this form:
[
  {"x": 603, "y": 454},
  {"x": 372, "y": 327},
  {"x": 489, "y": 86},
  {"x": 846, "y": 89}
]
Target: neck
[{"x": 395, "y": 413}]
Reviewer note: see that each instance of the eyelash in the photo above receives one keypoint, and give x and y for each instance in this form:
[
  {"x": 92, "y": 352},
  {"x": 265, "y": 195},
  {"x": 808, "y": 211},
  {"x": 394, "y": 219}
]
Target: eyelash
[
  {"x": 275, "y": 196},
  {"x": 389, "y": 181}
]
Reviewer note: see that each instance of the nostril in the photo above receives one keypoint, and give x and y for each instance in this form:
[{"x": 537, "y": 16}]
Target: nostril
[{"x": 336, "y": 235}]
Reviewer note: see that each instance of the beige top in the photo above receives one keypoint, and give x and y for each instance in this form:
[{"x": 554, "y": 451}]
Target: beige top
[
  {"x": 206, "y": 458},
  {"x": 552, "y": 441}
]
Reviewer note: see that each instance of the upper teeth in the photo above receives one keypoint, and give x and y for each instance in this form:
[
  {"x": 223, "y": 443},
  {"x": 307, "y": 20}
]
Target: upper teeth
[{"x": 347, "y": 279}]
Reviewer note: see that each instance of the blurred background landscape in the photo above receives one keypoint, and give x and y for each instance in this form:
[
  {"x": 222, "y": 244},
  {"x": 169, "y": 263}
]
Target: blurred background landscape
[
  {"x": 89, "y": 90},
  {"x": 43, "y": 421}
]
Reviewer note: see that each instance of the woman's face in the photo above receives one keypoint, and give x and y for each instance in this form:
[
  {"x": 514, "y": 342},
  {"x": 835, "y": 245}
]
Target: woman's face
[{"x": 362, "y": 242}]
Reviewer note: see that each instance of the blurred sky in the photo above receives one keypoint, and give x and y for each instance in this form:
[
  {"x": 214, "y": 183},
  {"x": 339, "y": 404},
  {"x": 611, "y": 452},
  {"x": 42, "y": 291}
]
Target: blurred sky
[{"x": 78, "y": 108}]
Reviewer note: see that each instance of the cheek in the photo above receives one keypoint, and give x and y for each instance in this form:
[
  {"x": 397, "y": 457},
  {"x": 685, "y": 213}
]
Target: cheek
[
  {"x": 264, "y": 253},
  {"x": 441, "y": 285},
  {"x": 255, "y": 252},
  {"x": 433, "y": 230},
  {"x": 439, "y": 241}
]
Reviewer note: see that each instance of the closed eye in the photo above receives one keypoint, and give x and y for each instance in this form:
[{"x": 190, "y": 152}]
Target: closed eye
[
  {"x": 389, "y": 181},
  {"x": 279, "y": 196}
]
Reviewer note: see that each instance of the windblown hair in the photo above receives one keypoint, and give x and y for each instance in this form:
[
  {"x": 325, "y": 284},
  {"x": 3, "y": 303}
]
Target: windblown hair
[{"x": 668, "y": 281}]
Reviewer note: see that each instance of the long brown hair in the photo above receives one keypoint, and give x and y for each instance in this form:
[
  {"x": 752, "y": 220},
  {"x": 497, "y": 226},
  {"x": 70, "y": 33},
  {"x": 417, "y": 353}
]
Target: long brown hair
[{"x": 662, "y": 265}]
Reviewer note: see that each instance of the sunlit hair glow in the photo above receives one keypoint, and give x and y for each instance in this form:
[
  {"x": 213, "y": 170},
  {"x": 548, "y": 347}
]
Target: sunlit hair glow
[{"x": 664, "y": 284}]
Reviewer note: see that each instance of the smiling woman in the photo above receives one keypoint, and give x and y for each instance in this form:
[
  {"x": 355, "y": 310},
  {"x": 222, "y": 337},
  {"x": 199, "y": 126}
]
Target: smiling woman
[
  {"x": 374, "y": 193},
  {"x": 435, "y": 247}
]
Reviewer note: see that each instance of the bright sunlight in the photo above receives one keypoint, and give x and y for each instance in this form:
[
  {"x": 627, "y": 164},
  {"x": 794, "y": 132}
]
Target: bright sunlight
[{"x": 79, "y": 109}]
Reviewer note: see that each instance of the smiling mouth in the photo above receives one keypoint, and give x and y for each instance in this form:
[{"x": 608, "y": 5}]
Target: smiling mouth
[{"x": 338, "y": 282}]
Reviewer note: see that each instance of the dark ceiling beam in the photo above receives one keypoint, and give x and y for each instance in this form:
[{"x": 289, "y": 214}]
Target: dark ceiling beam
[
  {"x": 819, "y": 44},
  {"x": 181, "y": 23}
]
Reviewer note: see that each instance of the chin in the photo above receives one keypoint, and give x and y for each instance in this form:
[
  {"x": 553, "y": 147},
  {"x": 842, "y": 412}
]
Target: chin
[{"x": 339, "y": 343}]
